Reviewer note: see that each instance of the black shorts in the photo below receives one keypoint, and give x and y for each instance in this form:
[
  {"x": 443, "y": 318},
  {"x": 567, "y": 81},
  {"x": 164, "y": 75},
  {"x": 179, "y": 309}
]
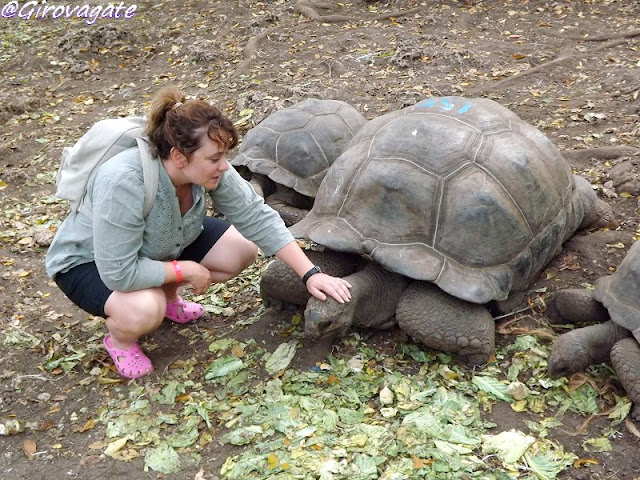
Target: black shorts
[{"x": 84, "y": 287}]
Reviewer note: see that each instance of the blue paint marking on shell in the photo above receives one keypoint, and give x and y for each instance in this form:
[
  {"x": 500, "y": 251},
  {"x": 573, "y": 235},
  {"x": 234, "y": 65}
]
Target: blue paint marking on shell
[
  {"x": 466, "y": 108},
  {"x": 427, "y": 103},
  {"x": 446, "y": 105}
]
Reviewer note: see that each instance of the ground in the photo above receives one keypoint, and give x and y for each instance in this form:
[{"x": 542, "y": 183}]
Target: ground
[{"x": 569, "y": 68}]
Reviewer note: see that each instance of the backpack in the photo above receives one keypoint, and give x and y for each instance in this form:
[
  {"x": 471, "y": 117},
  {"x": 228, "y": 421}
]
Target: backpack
[{"x": 104, "y": 140}]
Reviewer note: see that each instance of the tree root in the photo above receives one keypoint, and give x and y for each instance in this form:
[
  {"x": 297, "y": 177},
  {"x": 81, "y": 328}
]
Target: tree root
[
  {"x": 387, "y": 16},
  {"x": 541, "y": 67},
  {"x": 627, "y": 91},
  {"x": 250, "y": 51},
  {"x": 303, "y": 7},
  {"x": 602, "y": 153},
  {"x": 601, "y": 38}
]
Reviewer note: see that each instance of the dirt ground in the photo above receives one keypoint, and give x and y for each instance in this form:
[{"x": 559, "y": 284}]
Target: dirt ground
[{"x": 571, "y": 68}]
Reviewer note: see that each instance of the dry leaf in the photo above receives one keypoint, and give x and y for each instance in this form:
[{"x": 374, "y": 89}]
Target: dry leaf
[
  {"x": 87, "y": 426},
  {"x": 582, "y": 462},
  {"x": 29, "y": 448},
  {"x": 237, "y": 351},
  {"x": 273, "y": 460},
  {"x": 199, "y": 475},
  {"x": 418, "y": 463},
  {"x": 333, "y": 380},
  {"x": 99, "y": 445},
  {"x": 631, "y": 427},
  {"x": 115, "y": 446}
]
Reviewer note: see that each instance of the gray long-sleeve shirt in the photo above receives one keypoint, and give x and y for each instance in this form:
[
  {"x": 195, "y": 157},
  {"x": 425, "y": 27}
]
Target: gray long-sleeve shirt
[{"x": 129, "y": 250}]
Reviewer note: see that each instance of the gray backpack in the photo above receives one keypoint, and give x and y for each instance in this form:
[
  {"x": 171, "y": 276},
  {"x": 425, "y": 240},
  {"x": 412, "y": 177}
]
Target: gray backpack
[{"x": 104, "y": 140}]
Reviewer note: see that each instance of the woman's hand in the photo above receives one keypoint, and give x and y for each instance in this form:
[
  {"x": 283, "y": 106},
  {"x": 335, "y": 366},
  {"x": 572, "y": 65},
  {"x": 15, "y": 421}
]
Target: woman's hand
[
  {"x": 198, "y": 276},
  {"x": 321, "y": 284}
]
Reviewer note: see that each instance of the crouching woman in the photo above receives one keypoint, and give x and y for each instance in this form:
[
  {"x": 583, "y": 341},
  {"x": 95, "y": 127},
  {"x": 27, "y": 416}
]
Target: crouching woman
[{"x": 112, "y": 261}]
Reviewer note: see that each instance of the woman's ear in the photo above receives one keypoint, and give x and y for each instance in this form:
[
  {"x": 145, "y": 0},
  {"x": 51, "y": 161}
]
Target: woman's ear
[{"x": 178, "y": 158}]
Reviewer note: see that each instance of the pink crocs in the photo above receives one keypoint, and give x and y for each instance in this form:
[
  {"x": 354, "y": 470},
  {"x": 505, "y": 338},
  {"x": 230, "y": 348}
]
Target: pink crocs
[
  {"x": 183, "y": 312},
  {"x": 132, "y": 363}
]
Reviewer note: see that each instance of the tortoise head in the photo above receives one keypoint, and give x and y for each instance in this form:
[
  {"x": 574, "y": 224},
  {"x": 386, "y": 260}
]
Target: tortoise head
[
  {"x": 567, "y": 357},
  {"x": 328, "y": 317}
]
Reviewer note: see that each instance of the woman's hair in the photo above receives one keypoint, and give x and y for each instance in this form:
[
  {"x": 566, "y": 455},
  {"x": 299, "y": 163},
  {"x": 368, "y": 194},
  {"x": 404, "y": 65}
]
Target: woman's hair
[{"x": 177, "y": 122}]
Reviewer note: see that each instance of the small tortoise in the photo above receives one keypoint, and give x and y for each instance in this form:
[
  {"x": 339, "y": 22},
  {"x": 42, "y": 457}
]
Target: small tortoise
[
  {"x": 289, "y": 152},
  {"x": 458, "y": 202},
  {"x": 616, "y": 299}
]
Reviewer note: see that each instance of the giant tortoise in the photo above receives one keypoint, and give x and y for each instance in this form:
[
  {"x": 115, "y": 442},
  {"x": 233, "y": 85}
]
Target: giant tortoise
[
  {"x": 289, "y": 152},
  {"x": 616, "y": 339},
  {"x": 456, "y": 202}
]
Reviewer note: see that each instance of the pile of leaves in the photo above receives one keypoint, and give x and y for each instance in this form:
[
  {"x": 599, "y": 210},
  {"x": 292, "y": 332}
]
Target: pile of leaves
[{"x": 362, "y": 414}]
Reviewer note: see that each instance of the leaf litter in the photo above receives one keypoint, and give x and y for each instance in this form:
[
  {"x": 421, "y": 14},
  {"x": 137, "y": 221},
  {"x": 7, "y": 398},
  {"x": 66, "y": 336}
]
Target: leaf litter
[{"x": 361, "y": 415}]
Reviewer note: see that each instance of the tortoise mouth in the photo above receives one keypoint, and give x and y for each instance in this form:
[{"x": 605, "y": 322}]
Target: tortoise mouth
[{"x": 318, "y": 325}]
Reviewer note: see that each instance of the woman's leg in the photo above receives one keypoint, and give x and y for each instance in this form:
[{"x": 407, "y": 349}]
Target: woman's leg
[
  {"x": 133, "y": 314},
  {"x": 129, "y": 315},
  {"x": 220, "y": 248},
  {"x": 229, "y": 256}
]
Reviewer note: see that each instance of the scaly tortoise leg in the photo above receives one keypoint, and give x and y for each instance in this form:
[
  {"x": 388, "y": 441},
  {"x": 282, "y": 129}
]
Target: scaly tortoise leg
[{"x": 625, "y": 357}]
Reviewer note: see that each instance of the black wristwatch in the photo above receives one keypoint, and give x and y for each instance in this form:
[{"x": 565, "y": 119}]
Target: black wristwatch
[{"x": 310, "y": 273}]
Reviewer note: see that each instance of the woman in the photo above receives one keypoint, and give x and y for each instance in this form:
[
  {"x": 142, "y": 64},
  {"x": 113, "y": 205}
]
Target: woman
[{"x": 113, "y": 262}]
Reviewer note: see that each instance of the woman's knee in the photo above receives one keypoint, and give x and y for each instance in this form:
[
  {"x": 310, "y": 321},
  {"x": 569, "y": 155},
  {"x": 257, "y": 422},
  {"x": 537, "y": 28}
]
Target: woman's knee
[
  {"x": 231, "y": 254},
  {"x": 143, "y": 309},
  {"x": 250, "y": 254},
  {"x": 245, "y": 253}
]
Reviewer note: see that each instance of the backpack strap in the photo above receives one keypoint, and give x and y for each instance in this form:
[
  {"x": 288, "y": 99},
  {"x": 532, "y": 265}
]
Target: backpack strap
[{"x": 150, "y": 174}]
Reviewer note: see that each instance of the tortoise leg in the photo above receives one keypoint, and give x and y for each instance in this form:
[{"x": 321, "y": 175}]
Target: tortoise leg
[
  {"x": 625, "y": 357},
  {"x": 291, "y": 205},
  {"x": 601, "y": 216},
  {"x": 374, "y": 296},
  {"x": 280, "y": 285},
  {"x": 577, "y": 305},
  {"x": 596, "y": 213},
  {"x": 262, "y": 184},
  {"x": 574, "y": 351},
  {"x": 442, "y": 322}
]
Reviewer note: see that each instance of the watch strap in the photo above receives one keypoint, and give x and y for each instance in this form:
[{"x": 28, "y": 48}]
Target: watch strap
[{"x": 315, "y": 269}]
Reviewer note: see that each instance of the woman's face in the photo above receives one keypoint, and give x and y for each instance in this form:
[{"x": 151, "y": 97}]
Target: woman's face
[{"x": 206, "y": 164}]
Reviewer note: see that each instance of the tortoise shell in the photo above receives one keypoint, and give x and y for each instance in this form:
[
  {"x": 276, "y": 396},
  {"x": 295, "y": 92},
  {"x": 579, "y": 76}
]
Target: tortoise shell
[
  {"x": 619, "y": 292},
  {"x": 295, "y": 146},
  {"x": 460, "y": 192}
]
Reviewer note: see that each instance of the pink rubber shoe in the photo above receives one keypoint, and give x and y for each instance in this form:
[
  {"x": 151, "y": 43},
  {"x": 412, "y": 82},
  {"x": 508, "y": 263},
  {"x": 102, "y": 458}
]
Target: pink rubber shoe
[
  {"x": 132, "y": 363},
  {"x": 183, "y": 312}
]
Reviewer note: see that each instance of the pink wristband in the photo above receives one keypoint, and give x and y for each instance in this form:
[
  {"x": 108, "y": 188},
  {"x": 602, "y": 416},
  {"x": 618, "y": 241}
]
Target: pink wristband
[{"x": 178, "y": 270}]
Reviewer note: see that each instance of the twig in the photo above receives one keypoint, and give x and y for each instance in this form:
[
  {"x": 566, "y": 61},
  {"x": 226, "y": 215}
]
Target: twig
[
  {"x": 583, "y": 427},
  {"x": 542, "y": 66},
  {"x": 512, "y": 313},
  {"x": 601, "y": 153}
]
